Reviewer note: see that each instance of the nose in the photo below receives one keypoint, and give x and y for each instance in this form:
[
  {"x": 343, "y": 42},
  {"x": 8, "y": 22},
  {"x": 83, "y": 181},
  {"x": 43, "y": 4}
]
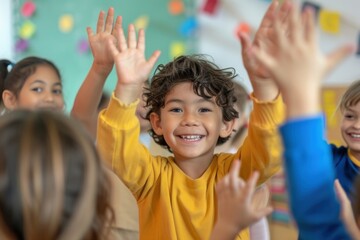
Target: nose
[
  {"x": 49, "y": 97},
  {"x": 189, "y": 119},
  {"x": 357, "y": 123}
]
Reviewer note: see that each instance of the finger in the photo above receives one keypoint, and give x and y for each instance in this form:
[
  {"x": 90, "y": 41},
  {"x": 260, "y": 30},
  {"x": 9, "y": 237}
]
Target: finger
[
  {"x": 251, "y": 184},
  {"x": 267, "y": 20},
  {"x": 283, "y": 12},
  {"x": 338, "y": 55},
  {"x": 120, "y": 36},
  {"x": 117, "y": 26},
  {"x": 245, "y": 43},
  {"x": 235, "y": 181},
  {"x": 90, "y": 32},
  {"x": 309, "y": 26},
  {"x": 109, "y": 20},
  {"x": 222, "y": 185},
  {"x": 131, "y": 36},
  {"x": 141, "y": 41},
  {"x": 153, "y": 58},
  {"x": 295, "y": 26},
  {"x": 100, "y": 22},
  {"x": 260, "y": 213},
  {"x": 340, "y": 192}
]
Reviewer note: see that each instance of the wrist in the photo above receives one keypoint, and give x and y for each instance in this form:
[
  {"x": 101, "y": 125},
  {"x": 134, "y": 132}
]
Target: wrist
[
  {"x": 264, "y": 89},
  {"x": 101, "y": 69}
]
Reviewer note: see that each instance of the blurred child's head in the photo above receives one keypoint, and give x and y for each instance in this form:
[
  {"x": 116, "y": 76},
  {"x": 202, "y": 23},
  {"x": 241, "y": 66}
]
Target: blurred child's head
[
  {"x": 51, "y": 181},
  {"x": 32, "y": 83},
  {"x": 207, "y": 80},
  {"x": 350, "y": 123}
]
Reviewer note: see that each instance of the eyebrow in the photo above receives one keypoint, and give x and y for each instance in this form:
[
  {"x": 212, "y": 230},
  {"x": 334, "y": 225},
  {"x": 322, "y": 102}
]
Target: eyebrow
[
  {"x": 43, "y": 82},
  {"x": 202, "y": 100}
]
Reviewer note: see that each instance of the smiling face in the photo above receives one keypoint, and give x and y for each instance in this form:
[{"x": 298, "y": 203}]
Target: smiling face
[
  {"x": 190, "y": 124},
  {"x": 41, "y": 90},
  {"x": 350, "y": 128}
]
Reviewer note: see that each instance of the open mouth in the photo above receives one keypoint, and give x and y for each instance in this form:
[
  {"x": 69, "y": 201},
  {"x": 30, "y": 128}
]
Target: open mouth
[{"x": 191, "y": 138}]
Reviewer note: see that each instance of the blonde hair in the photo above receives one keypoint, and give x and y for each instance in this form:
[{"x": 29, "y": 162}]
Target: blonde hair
[
  {"x": 52, "y": 183},
  {"x": 351, "y": 97}
]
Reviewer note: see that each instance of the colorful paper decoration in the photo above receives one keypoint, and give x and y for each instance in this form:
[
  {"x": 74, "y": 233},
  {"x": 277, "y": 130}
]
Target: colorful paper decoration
[
  {"x": 243, "y": 27},
  {"x": 329, "y": 21},
  {"x": 83, "y": 46},
  {"x": 28, "y": 9},
  {"x": 21, "y": 45},
  {"x": 177, "y": 49},
  {"x": 27, "y": 30},
  {"x": 176, "y": 7},
  {"x": 141, "y": 22},
  {"x": 188, "y": 27},
  {"x": 210, "y": 6},
  {"x": 66, "y": 23}
]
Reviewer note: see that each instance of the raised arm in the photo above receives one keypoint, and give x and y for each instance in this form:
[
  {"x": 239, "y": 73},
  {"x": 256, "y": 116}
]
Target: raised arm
[
  {"x": 264, "y": 88},
  {"x": 297, "y": 65},
  {"x": 132, "y": 68},
  {"x": 89, "y": 95}
]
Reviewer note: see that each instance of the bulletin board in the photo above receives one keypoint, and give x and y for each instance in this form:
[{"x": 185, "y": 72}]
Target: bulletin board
[{"x": 40, "y": 33}]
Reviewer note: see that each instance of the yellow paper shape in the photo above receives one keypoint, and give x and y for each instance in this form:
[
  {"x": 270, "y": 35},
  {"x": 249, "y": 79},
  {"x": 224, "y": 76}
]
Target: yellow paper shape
[
  {"x": 142, "y": 22},
  {"x": 66, "y": 23},
  {"x": 329, "y": 21},
  {"x": 177, "y": 49},
  {"x": 27, "y": 30}
]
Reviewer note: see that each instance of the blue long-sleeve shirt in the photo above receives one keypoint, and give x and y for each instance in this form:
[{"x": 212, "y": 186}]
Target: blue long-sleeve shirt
[{"x": 310, "y": 176}]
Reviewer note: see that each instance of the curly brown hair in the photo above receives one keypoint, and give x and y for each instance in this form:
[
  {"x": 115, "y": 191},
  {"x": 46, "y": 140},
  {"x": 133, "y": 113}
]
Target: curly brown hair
[{"x": 208, "y": 81}]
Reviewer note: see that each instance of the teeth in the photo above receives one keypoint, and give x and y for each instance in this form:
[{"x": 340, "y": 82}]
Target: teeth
[
  {"x": 191, "y": 137},
  {"x": 355, "y": 135}
]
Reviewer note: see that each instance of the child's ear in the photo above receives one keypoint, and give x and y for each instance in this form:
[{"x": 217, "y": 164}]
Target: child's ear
[
  {"x": 227, "y": 128},
  {"x": 156, "y": 123},
  {"x": 9, "y": 99}
]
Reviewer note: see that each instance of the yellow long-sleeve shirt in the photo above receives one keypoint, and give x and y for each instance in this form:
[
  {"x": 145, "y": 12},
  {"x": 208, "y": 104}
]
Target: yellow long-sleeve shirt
[{"x": 171, "y": 204}]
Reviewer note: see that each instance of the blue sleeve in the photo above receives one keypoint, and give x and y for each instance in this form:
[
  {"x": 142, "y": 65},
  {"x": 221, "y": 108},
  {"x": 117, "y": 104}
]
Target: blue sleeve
[{"x": 310, "y": 180}]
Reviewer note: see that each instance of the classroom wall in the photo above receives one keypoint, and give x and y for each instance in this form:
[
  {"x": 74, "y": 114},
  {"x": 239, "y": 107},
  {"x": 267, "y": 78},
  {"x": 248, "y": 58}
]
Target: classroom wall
[{"x": 214, "y": 35}]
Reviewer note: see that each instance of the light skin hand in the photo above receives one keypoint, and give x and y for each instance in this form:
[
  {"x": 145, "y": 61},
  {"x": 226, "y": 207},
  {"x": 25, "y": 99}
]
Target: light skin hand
[
  {"x": 131, "y": 65},
  {"x": 296, "y": 62},
  {"x": 347, "y": 215},
  {"x": 105, "y": 31},
  {"x": 236, "y": 210},
  {"x": 264, "y": 87}
]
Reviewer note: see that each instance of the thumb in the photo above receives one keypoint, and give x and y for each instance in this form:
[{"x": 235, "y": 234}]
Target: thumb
[{"x": 338, "y": 55}]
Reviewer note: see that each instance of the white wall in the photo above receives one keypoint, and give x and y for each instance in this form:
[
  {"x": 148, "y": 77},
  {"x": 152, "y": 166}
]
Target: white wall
[
  {"x": 217, "y": 38},
  {"x": 6, "y": 31}
]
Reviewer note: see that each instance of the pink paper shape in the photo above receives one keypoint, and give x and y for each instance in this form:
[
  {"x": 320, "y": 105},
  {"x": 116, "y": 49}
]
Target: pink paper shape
[{"x": 28, "y": 9}]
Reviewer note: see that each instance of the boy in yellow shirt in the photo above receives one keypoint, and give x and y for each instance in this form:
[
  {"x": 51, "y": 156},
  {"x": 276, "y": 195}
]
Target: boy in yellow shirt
[{"x": 190, "y": 102}]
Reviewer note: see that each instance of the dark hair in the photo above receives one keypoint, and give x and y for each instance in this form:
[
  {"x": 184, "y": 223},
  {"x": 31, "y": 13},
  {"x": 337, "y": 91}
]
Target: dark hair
[
  {"x": 14, "y": 79},
  {"x": 208, "y": 81},
  {"x": 52, "y": 183}
]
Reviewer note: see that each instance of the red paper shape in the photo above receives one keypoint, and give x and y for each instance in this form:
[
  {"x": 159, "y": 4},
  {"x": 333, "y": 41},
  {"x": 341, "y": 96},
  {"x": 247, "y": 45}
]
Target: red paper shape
[
  {"x": 211, "y": 6},
  {"x": 28, "y": 9}
]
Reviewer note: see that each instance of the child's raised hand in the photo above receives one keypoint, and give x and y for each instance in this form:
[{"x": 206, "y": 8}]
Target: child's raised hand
[
  {"x": 131, "y": 65},
  {"x": 294, "y": 59},
  {"x": 347, "y": 215},
  {"x": 259, "y": 76},
  {"x": 236, "y": 210},
  {"x": 105, "y": 31}
]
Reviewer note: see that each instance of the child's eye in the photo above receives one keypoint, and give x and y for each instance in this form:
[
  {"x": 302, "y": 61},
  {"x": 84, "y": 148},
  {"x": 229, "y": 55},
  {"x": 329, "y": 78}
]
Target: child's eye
[
  {"x": 37, "y": 89},
  {"x": 348, "y": 116},
  {"x": 205, "y": 110},
  {"x": 175, "y": 110},
  {"x": 57, "y": 91}
]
